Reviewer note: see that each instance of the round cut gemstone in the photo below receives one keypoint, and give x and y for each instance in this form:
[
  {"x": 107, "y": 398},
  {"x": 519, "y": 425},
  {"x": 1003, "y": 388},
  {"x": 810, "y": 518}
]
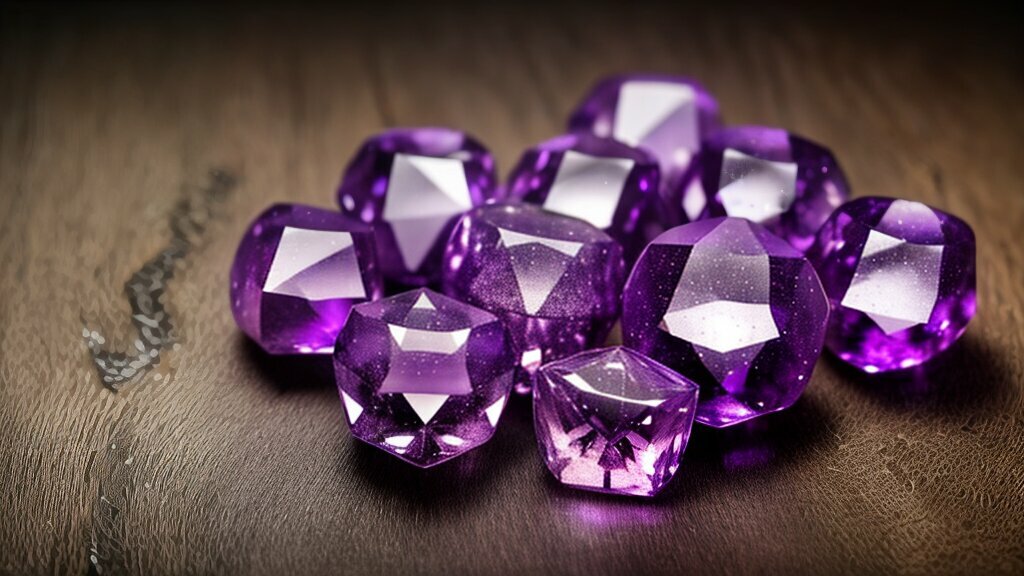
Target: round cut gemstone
[
  {"x": 297, "y": 273},
  {"x": 786, "y": 183},
  {"x": 901, "y": 280},
  {"x": 605, "y": 182},
  {"x": 422, "y": 376},
  {"x": 667, "y": 115},
  {"x": 613, "y": 421},
  {"x": 554, "y": 280},
  {"x": 732, "y": 307},
  {"x": 411, "y": 184}
]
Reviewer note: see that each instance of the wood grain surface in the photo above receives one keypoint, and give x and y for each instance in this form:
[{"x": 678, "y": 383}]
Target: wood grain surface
[{"x": 220, "y": 460}]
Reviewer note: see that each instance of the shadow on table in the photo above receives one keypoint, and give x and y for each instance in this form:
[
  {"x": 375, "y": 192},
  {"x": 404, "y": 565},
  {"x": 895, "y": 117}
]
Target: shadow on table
[
  {"x": 968, "y": 377},
  {"x": 289, "y": 374}
]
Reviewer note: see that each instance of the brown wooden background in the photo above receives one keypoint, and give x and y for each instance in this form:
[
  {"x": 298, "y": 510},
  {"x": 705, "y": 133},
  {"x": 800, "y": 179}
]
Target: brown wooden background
[{"x": 221, "y": 460}]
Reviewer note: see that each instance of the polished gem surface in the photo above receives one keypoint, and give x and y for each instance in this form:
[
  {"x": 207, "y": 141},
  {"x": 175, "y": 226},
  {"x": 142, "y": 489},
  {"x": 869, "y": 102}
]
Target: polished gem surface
[
  {"x": 666, "y": 115},
  {"x": 412, "y": 184},
  {"x": 603, "y": 181},
  {"x": 422, "y": 376},
  {"x": 901, "y": 280},
  {"x": 613, "y": 421},
  {"x": 732, "y": 307},
  {"x": 554, "y": 280},
  {"x": 297, "y": 273},
  {"x": 784, "y": 182}
]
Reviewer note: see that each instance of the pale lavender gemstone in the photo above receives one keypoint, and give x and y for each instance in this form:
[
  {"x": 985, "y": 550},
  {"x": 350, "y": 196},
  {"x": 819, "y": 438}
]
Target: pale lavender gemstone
[
  {"x": 554, "y": 280},
  {"x": 422, "y": 376},
  {"x": 613, "y": 421},
  {"x": 412, "y": 184},
  {"x": 732, "y": 307},
  {"x": 603, "y": 181},
  {"x": 782, "y": 181},
  {"x": 297, "y": 273},
  {"x": 667, "y": 115},
  {"x": 901, "y": 280}
]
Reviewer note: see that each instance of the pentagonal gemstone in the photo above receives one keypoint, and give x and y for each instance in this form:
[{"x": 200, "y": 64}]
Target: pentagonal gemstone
[
  {"x": 732, "y": 307},
  {"x": 412, "y": 184},
  {"x": 786, "y": 183},
  {"x": 667, "y": 115},
  {"x": 605, "y": 182},
  {"x": 901, "y": 280},
  {"x": 613, "y": 421},
  {"x": 554, "y": 280},
  {"x": 422, "y": 376},
  {"x": 297, "y": 273}
]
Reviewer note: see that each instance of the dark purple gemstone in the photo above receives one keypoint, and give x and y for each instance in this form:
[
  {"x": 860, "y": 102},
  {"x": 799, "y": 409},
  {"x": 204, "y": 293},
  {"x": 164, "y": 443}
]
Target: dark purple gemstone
[
  {"x": 297, "y": 273},
  {"x": 732, "y": 307},
  {"x": 412, "y": 184},
  {"x": 786, "y": 183},
  {"x": 901, "y": 280},
  {"x": 667, "y": 115},
  {"x": 554, "y": 280},
  {"x": 422, "y": 376},
  {"x": 605, "y": 182},
  {"x": 613, "y": 421}
]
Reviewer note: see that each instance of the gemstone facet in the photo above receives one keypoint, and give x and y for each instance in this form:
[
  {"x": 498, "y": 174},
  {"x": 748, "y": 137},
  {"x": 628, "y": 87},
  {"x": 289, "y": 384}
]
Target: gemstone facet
[
  {"x": 554, "y": 280},
  {"x": 412, "y": 184},
  {"x": 900, "y": 277},
  {"x": 732, "y": 307},
  {"x": 667, "y": 115},
  {"x": 786, "y": 183},
  {"x": 422, "y": 376},
  {"x": 613, "y": 421},
  {"x": 297, "y": 273},
  {"x": 605, "y": 182}
]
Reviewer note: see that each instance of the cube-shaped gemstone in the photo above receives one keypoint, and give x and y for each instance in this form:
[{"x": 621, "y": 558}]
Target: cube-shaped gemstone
[
  {"x": 613, "y": 421},
  {"x": 732, "y": 307},
  {"x": 422, "y": 376},
  {"x": 603, "y": 181},
  {"x": 297, "y": 273},
  {"x": 553, "y": 279},
  {"x": 901, "y": 280},
  {"x": 786, "y": 183},
  {"x": 412, "y": 184}
]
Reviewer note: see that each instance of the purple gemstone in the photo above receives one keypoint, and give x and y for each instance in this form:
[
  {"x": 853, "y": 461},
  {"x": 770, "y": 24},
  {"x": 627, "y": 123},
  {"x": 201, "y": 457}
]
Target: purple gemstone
[
  {"x": 412, "y": 184},
  {"x": 423, "y": 376},
  {"x": 786, "y": 183},
  {"x": 900, "y": 277},
  {"x": 667, "y": 115},
  {"x": 554, "y": 280},
  {"x": 297, "y": 273},
  {"x": 734, "y": 308},
  {"x": 605, "y": 182},
  {"x": 613, "y": 421}
]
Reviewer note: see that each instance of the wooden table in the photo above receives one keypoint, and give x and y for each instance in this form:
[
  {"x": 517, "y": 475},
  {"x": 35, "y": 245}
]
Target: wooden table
[{"x": 222, "y": 460}]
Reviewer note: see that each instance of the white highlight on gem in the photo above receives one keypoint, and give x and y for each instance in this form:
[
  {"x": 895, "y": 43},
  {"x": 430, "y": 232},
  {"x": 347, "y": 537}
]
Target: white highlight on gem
[
  {"x": 415, "y": 340},
  {"x": 352, "y": 408},
  {"x": 536, "y": 284},
  {"x": 646, "y": 108},
  {"x": 425, "y": 406},
  {"x": 494, "y": 411},
  {"x": 723, "y": 326},
  {"x": 581, "y": 383},
  {"x": 401, "y": 441},
  {"x": 315, "y": 265},
  {"x": 756, "y": 189},
  {"x": 589, "y": 187}
]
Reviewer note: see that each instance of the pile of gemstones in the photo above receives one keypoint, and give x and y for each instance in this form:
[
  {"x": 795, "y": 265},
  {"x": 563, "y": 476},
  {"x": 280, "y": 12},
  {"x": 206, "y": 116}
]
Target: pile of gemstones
[{"x": 730, "y": 256}]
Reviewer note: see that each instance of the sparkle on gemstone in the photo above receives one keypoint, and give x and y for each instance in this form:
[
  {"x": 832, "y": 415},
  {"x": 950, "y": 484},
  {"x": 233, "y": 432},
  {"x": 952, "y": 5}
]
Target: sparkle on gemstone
[
  {"x": 901, "y": 278},
  {"x": 613, "y": 421},
  {"x": 423, "y": 376},
  {"x": 734, "y": 308},
  {"x": 589, "y": 187}
]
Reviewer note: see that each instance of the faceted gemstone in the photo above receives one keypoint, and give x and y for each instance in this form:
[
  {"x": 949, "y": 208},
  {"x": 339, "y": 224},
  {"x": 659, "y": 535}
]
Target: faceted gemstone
[
  {"x": 605, "y": 182},
  {"x": 734, "y": 308},
  {"x": 412, "y": 184},
  {"x": 786, "y": 183},
  {"x": 667, "y": 115},
  {"x": 423, "y": 376},
  {"x": 554, "y": 280},
  {"x": 900, "y": 277},
  {"x": 613, "y": 421},
  {"x": 297, "y": 273}
]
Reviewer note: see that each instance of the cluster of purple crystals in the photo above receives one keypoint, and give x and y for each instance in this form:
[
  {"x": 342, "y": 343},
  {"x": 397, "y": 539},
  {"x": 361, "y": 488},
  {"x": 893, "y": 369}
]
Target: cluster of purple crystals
[{"x": 731, "y": 256}]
